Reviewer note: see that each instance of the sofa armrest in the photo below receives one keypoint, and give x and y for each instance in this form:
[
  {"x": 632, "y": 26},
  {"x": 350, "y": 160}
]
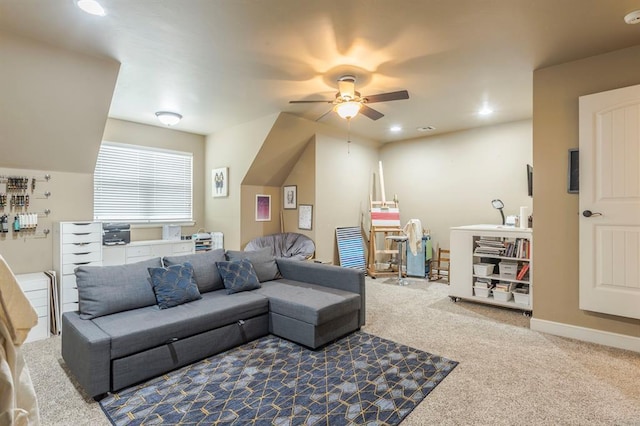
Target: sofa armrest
[
  {"x": 86, "y": 350},
  {"x": 326, "y": 275}
]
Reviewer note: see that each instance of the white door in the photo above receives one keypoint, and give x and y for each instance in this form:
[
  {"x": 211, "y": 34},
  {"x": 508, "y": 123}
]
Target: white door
[{"x": 610, "y": 191}]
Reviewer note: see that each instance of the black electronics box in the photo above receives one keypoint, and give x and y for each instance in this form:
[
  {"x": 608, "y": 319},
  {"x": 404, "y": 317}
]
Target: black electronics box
[{"x": 116, "y": 233}]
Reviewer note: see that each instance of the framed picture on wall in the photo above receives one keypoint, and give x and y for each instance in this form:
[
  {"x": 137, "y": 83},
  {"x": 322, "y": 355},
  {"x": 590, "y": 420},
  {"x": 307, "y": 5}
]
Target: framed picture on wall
[
  {"x": 219, "y": 179},
  {"x": 263, "y": 208},
  {"x": 573, "y": 172},
  {"x": 305, "y": 216},
  {"x": 290, "y": 197}
]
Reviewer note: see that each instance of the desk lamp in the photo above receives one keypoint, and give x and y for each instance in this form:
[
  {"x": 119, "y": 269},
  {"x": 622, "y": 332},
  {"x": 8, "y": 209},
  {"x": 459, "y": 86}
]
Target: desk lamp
[{"x": 498, "y": 204}]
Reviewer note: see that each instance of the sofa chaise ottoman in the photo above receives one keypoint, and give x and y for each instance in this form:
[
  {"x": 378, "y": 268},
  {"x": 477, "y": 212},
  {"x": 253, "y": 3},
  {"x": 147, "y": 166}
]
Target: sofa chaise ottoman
[{"x": 120, "y": 336}]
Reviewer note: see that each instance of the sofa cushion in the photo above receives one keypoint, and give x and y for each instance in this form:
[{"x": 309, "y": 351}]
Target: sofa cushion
[
  {"x": 262, "y": 260},
  {"x": 140, "y": 329},
  {"x": 238, "y": 275},
  {"x": 310, "y": 303},
  {"x": 104, "y": 290},
  {"x": 174, "y": 285},
  {"x": 204, "y": 268}
]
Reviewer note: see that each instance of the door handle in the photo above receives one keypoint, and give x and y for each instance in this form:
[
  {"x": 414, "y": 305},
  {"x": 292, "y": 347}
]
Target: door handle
[{"x": 589, "y": 213}]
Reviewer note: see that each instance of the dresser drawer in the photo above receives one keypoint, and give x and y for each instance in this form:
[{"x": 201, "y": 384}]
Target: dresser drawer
[
  {"x": 82, "y": 237},
  {"x": 38, "y": 297},
  {"x": 82, "y": 256},
  {"x": 35, "y": 281},
  {"x": 186, "y": 247},
  {"x": 81, "y": 227},
  {"x": 73, "y": 306},
  {"x": 70, "y": 295},
  {"x": 43, "y": 312},
  {"x": 70, "y": 268},
  {"x": 81, "y": 247},
  {"x": 137, "y": 251},
  {"x": 40, "y": 331}
]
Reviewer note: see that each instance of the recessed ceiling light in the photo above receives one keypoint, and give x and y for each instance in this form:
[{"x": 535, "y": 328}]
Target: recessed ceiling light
[
  {"x": 91, "y": 6},
  {"x": 425, "y": 129},
  {"x": 485, "y": 110},
  {"x": 168, "y": 118},
  {"x": 395, "y": 128},
  {"x": 632, "y": 17}
]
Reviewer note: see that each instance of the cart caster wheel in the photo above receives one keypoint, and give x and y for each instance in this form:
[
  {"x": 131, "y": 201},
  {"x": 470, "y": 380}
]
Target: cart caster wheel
[
  {"x": 527, "y": 314},
  {"x": 454, "y": 299}
]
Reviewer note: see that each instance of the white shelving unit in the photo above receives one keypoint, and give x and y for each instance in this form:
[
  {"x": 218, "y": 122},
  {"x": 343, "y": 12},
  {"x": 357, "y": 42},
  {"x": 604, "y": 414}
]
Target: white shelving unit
[
  {"x": 75, "y": 244},
  {"x": 463, "y": 245},
  {"x": 36, "y": 287}
]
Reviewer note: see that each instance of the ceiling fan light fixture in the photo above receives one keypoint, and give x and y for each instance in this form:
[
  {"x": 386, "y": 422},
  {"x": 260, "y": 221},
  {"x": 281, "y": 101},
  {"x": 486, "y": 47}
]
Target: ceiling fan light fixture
[
  {"x": 348, "y": 109},
  {"x": 168, "y": 118},
  {"x": 91, "y": 7}
]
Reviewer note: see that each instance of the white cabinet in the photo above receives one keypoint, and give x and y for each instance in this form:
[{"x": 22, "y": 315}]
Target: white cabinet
[
  {"x": 476, "y": 250},
  {"x": 138, "y": 251},
  {"x": 36, "y": 287},
  {"x": 75, "y": 244}
]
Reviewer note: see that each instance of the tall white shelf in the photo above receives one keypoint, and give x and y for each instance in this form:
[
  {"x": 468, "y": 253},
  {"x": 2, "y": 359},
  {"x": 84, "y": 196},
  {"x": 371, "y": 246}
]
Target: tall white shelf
[{"x": 463, "y": 243}]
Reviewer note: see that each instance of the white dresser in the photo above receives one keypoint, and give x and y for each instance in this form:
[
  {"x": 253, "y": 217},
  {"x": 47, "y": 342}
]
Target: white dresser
[
  {"x": 138, "y": 251},
  {"x": 36, "y": 287},
  {"x": 75, "y": 244}
]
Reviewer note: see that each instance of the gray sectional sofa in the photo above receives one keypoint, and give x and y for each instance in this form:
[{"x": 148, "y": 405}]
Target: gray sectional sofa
[{"x": 120, "y": 336}]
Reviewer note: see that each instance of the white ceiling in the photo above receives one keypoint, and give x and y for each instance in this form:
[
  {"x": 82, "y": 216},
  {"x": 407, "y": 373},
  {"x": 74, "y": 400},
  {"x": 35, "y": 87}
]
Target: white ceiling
[{"x": 225, "y": 62}]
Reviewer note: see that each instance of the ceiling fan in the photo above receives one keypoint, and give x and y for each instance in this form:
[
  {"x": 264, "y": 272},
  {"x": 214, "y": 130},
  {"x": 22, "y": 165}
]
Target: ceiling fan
[{"x": 348, "y": 102}]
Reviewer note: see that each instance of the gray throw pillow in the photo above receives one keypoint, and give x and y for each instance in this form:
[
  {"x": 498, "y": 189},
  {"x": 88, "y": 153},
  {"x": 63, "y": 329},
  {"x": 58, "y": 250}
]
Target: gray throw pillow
[
  {"x": 104, "y": 290},
  {"x": 238, "y": 275},
  {"x": 204, "y": 268},
  {"x": 174, "y": 285},
  {"x": 263, "y": 262}
]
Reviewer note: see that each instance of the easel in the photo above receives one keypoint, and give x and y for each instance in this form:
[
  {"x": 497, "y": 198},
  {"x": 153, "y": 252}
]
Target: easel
[{"x": 385, "y": 222}]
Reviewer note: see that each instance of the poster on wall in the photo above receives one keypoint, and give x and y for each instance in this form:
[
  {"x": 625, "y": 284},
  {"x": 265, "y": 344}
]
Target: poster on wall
[
  {"x": 219, "y": 187},
  {"x": 263, "y": 208},
  {"x": 305, "y": 216},
  {"x": 290, "y": 197}
]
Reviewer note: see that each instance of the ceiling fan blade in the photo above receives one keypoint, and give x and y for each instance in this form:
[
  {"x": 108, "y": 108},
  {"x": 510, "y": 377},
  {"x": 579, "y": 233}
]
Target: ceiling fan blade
[
  {"x": 370, "y": 112},
  {"x": 384, "y": 97},
  {"x": 310, "y": 102}
]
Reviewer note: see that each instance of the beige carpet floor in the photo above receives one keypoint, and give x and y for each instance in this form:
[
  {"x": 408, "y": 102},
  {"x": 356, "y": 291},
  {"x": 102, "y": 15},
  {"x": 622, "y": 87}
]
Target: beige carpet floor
[{"x": 508, "y": 374}]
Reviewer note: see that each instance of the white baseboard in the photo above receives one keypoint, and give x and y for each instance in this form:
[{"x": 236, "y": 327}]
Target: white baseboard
[{"x": 607, "y": 338}]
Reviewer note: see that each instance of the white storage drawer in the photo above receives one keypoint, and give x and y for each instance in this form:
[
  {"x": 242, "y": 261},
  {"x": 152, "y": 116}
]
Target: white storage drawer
[
  {"x": 30, "y": 282},
  {"x": 70, "y": 268},
  {"x": 80, "y": 227},
  {"x": 136, "y": 251},
  {"x": 82, "y": 257},
  {"x": 40, "y": 331},
  {"x": 38, "y": 297},
  {"x": 66, "y": 307},
  {"x": 81, "y": 247},
  {"x": 83, "y": 237},
  {"x": 186, "y": 247},
  {"x": 70, "y": 295},
  {"x": 42, "y": 311}
]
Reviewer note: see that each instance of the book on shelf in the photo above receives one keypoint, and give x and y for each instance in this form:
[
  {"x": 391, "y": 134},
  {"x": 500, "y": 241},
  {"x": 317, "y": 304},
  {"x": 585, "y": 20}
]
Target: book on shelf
[{"x": 523, "y": 271}]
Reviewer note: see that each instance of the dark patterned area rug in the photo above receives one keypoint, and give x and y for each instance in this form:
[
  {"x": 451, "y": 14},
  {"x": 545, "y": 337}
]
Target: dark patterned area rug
[{"x": 360, "y": 379}]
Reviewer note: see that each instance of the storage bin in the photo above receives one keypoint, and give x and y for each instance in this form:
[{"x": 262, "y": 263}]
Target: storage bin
[
  {"x": 521, "y": 298},
  {"x": 481, "y": 292},
  {"x": 508, "y": 269},
  {"x": 502, "y": 296},
  {"x": 483, "y": 269}
]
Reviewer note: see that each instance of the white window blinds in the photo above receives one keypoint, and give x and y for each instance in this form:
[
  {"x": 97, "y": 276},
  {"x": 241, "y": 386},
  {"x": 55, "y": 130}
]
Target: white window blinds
[{"x": 138, "y": 184}]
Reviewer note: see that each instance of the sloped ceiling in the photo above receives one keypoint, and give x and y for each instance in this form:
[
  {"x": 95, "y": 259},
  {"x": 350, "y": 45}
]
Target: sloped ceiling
[
  {"x": 280, "y": 151},
  {"x": 54, "y": 106}
]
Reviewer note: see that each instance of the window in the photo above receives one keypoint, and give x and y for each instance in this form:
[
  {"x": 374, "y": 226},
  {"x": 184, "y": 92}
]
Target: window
[{"x": 138, "y": 184}]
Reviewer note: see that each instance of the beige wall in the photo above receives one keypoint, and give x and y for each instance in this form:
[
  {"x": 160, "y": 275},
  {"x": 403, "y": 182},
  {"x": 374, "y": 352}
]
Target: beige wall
[
  {"x": 250, "y": 227},
  {"x": 71, "y": 199},
  {"x": 555, "y": 130},
  {"x": 303, "y": 176},
  {"x": 234, "y": 148},
  {"x": 449, "y": 180},
  {"x": 158, "y": 137},
  {"x": 343, "y": 177}
]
